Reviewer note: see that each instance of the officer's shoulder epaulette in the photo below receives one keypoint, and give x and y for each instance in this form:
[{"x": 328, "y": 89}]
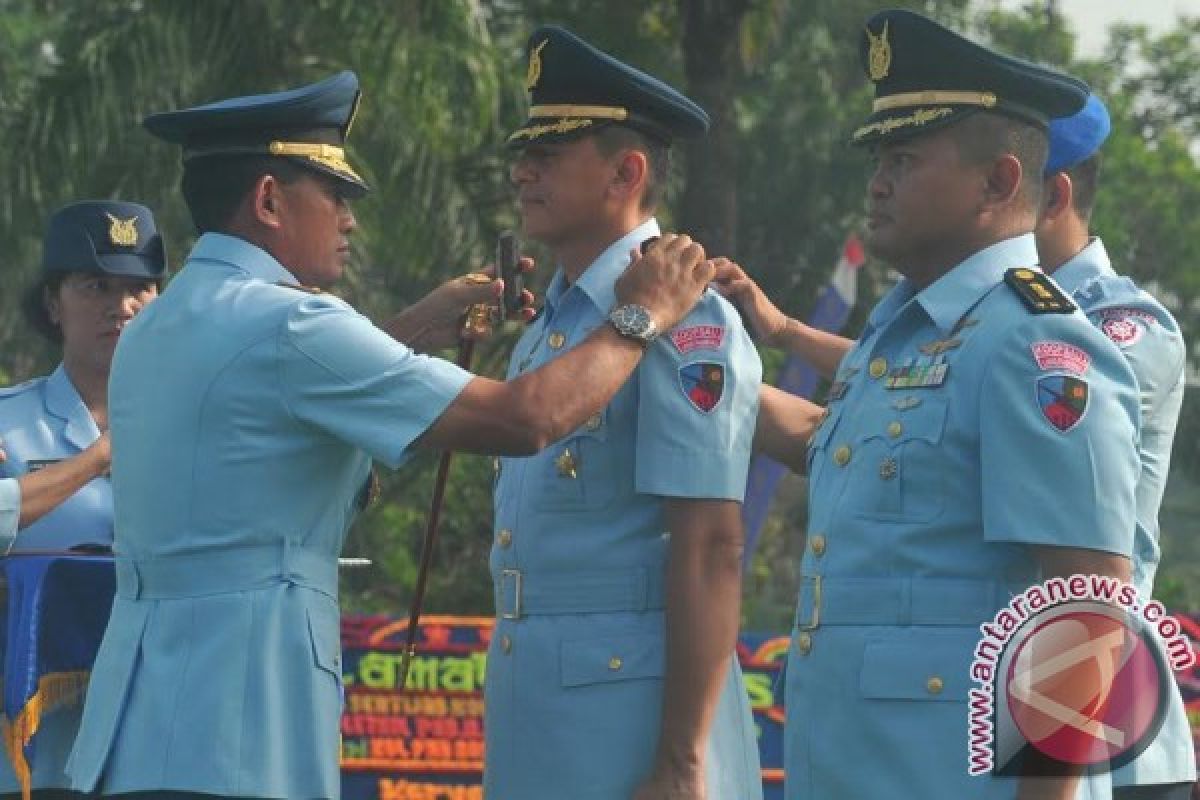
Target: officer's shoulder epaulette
[
  {"x": 1038, "y": 292},
  {"x": 299, "y": 288}
]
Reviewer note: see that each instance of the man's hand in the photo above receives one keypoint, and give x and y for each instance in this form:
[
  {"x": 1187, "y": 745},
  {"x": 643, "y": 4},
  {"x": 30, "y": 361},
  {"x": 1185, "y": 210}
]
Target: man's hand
[
  {"x": 673, "y": 785},
  {"x": 668, "y": 279},
  {"x": 436, "y": 321},
  {"x": 768, "y": 322}
]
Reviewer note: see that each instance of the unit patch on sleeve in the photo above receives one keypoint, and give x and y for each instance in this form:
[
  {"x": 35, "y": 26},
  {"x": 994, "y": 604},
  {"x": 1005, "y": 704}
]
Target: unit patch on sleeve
[
  {"x": 698, "y": 337},
  {"x": 1063, "y": 400},
  {"x": 1060, "y": 356},
  {"x": 1125, "y": 326},
  {"x": 703, "y": 383}
]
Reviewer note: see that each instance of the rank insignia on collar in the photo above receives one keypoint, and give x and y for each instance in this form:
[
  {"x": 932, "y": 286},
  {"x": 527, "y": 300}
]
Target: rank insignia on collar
[
  {"x": 1063, "y": 400},
  {"x": 703, "y": 383},
  {"x": 1039, "y": 293},
  {"x": 122, "y": 232}
]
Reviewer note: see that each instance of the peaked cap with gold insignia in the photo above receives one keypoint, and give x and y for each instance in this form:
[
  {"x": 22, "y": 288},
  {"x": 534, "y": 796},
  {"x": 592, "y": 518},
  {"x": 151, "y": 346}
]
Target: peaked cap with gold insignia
[
  {"x": 927, "y": 76},
  {"x": 575, "y": 89},
  {"x": 307, "y": 125},
  {"x": 105, "y": 236}
]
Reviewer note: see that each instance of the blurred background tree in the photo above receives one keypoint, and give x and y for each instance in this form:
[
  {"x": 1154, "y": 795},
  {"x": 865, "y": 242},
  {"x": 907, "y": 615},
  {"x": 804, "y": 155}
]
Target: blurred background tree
[{"x": 775, "y": 185}]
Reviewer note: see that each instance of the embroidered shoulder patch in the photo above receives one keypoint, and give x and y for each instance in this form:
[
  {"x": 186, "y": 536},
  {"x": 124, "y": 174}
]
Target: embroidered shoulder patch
[
  {"x": 1039, "y": 293},
  {"x": 703, "y": 383},
  {"x": 1125, "y": 326},
  {"x": 698, "y": 337},
  {"x": 1063, "y": 400},
  {"x": 1060, "y": 356}
]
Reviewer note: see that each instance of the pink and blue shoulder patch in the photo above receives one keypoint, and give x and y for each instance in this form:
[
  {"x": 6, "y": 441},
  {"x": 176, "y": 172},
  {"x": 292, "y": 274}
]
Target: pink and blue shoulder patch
[
  {"x": 1062, "y": 398},
  {"x": 1125, "y": 326},
  {"x": 703, "y": 383},
  {"x": 698, "y": 337}
]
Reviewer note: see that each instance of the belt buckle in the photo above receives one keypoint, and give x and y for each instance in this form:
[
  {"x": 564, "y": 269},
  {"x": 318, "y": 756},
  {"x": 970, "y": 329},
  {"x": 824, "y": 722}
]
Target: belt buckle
[
  {"x": 515, "y": 574},
  {"x": 814, "y": 620}
]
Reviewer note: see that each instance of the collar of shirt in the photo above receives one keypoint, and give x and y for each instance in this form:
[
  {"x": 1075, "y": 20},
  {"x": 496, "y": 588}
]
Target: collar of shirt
[
  {"x": 1090, "y": 262},
  {"x": 599, "y": 280},
  {"x": 951, "y": 296},
  {"x": 241, "y": 255},
  {"x": 64, "y": 402}
]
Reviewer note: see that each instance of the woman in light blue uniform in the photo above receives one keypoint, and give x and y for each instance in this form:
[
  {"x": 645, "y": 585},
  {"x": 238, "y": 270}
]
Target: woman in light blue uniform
[{"x": 102, "y": 262}]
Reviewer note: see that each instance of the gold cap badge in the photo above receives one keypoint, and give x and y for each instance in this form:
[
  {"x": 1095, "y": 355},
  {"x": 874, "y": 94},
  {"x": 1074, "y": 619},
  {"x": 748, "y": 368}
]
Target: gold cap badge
[
  {"x": 122, "y": 232},
  {"x": 879, "y": 59},
  {"x": 535, "y": 67}
]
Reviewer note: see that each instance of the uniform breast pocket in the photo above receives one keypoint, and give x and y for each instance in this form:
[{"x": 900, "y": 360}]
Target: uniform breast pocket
[
  {"x": 610, "y": 659},
  {"x": 578, "y": 473},
  {"x": 899, "y": 474},
  {"x": 924, "y": 665}
]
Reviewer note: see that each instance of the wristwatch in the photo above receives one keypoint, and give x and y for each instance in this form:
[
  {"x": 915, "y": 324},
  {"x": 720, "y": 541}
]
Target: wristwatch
[{"x": 634, "y": 322}]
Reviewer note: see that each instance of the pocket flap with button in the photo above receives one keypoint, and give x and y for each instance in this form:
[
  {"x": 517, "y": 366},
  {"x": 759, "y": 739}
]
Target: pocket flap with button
[
  {"x": 924, "y": 422},
  {"x": 325, "y": 632},
  {"x": 918, "y": 669},
  {"x": 614, "y": 658}
]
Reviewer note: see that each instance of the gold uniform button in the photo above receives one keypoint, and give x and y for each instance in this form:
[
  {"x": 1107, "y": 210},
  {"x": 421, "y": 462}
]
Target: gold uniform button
[
  {"x": 505, "y": 644},
  {"x": 934, "y": 685},
  {"x": 556, "y": 340},
  {"x": 877, "y": 367},
  {"x": 615, "y": 663},
  {"x": 841, "y": 456},
  {"x": 804, "y": 643},
  {"x": 895, "y": 429},
  {"x": 818, "y": 545},
  {"x": 504, "y": 538}
]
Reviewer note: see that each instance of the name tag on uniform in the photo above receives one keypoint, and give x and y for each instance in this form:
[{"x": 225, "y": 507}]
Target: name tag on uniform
[{"x": 36, "y": 464}]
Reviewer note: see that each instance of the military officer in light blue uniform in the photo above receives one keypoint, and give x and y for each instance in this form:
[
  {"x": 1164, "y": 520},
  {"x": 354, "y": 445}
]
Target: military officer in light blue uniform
[
  {"x": 1149, "y": 338},
  {"x": 980, "y": 435},
  {"x": 245, "y": 411},
  {"x": 611, "y": 671},
  {"x": 102, "y": 261}
]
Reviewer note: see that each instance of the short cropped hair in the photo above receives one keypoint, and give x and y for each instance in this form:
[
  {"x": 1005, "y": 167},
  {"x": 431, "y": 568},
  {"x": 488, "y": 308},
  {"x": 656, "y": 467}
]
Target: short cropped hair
[
  {"x": 214, "y": 187},
  {"x": 985, "y": 136},
  {"x": 1085, "y": 180},
  {"x": 613, "y": 138}
]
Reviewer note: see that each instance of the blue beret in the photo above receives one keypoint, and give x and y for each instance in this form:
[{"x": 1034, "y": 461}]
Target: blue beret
[
  {"x": 1076, "y": 138},
  {"x": 104, "y": 236},
  {"x": 575, "y": 89},
  {"x": 308, "y": 125},
  {"x": 927, "y": 76}
]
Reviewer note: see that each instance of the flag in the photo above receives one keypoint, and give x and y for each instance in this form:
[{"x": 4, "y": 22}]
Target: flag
[{"x": 834, "y": 303}]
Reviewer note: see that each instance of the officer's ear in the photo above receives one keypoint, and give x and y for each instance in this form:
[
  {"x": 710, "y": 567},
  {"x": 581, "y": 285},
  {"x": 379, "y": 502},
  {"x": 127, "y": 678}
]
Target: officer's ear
[
  {"x": 1057, "y": 195},
  {"x": 266, "y": 201},
  {"x": 632, "y": 171},
  {"x": 1002, "y": 182}
]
